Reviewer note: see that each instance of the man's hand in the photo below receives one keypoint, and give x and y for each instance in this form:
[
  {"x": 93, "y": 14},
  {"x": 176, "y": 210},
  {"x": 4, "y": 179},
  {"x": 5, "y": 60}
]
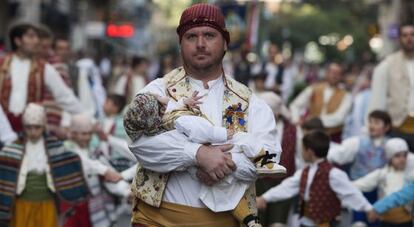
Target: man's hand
[
  {"x": 261, "y": 203},
  {"x": 372, "y": 216},
  {"x": 205, "y": 178},
  {"x": 112, "y": 176},
  {"x": 213, "y": 160}
]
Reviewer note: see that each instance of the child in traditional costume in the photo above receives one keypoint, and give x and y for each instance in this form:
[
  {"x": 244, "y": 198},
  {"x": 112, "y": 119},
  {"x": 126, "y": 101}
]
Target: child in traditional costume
[
  {"x": 389, "y": 179},
  {"x": 159, "y": 114},
  {"x": 322, "y": 188},
  {"x": 97, "y": 210},
  {"x": 365, "y": 153},
  {"x": 37, "y": 172}
]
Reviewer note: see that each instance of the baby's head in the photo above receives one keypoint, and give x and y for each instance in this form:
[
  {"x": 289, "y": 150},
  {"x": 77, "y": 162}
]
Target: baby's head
[
  {"x": 396, "y": 150},
  {"x": 144, "y": 116}
]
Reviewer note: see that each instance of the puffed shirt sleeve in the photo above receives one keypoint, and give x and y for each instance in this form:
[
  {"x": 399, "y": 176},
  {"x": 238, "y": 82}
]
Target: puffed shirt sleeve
[
  {"x": 378, "y": 98},
  {"x": 396, "y": 199},
  {"x": 344, "y": 153},
  {"x": 347, "y": 193},
  {"x": 287, "y": 189},
  {"x": 62, "y": 94},
  {"x": 368, "y": 182},
  {"x": 300, "y": 104},
  {"x": 166, "y": 152},
  {"x": 91, "y": 166},
  {"x": 7, "y": 135},
  {"x": 262, "y": 127},
  {"x": 122, "y": 147},
  {"x": 261, "y": 134}
]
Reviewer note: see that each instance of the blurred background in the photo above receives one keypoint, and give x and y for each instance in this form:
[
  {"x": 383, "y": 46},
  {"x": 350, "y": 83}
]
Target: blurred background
[{"x": 317, "y": 30}]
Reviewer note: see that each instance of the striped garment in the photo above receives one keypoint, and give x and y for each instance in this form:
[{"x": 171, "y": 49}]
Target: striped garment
[
  {"x": 65, "y": 168},
  {"x": 11, "y": 157}
]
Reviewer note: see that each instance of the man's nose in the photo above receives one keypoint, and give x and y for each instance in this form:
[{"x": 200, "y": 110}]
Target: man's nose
[{"x": 200, "y": 42}]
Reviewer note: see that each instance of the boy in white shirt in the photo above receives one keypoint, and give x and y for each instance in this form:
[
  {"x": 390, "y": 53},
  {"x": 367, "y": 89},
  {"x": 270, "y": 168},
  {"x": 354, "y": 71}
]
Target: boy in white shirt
[
  {"x": 322, "y": 188},
  {"x": 364, "y": 153},
  {"x": 159, "y": 114}
]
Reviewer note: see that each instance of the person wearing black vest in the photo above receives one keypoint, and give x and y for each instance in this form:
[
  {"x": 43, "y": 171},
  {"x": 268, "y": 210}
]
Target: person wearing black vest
[{"x": 322, "y": 188}]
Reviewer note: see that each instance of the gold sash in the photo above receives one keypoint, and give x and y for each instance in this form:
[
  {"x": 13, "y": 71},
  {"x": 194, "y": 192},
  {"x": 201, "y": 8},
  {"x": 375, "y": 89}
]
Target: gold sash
[
  {"x": 170, "y": 214},
  {"x": 408, "y": 125}
]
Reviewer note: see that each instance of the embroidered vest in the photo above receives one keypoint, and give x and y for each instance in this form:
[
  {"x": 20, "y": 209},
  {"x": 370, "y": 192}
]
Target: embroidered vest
[
  {"x": 368, "y": 158},
  {"x": 35, "y": 86},
  {"x": 317, "y": 100},
  {"x": 287, "y": 158},
  {"x": 65, "y": 169},
  {"x": 323, "y": 205},
  {"x": 149, "y": 186}
]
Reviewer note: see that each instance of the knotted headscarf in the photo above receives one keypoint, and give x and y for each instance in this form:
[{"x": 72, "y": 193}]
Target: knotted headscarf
[
  {"x": 144, "y": 116},
  {"x": 203, "y": 15}
]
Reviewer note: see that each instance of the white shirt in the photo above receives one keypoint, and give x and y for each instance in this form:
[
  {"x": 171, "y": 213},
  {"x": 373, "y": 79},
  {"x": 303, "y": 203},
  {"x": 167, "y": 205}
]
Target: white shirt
[
  {"x": 19, "y": 71},
  {"x": 138, "y": 83},
  {"x": 34, "y": 160},
  {"x": 299, "y": 105},
  {"x": 339, "y": 182},
  {"x": 226, "y": 194},
  {"x": 346, "y": 152},
  {"x": 172, "y": 152},
  {"x": 121, "y": 145},
  {"x": 387, "y": 179},
  {"x": 92, "y": 94},
  {"x": 89, "y": 166},
  {"x": 410, "y": 70},
  {"x": 7, "y": 135},
  {"x": 271, "y": 69}
]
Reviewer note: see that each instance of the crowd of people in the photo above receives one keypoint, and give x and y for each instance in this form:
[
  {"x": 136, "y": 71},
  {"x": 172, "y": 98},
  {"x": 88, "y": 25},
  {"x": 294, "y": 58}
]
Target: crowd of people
[{"x": 204, "y": 139}]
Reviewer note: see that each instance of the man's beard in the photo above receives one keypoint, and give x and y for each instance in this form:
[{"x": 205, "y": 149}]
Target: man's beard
[
  {"x": 408, "y": 48},
  {"x": 206, "y": 67}
]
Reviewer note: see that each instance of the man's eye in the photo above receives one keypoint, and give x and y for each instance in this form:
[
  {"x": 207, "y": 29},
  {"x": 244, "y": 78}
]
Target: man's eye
[
  {"x": 209, "y": 35},
  {"x": 191, "y": 37}
]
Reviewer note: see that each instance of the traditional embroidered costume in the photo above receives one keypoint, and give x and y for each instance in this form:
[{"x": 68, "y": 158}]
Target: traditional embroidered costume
[
  {"x": 388, "y": 180},
  {"x": 24, "y": 81},
  {"x": 330, "y": 104},
  {"x": 35, "y": 176},
  {"x": 322, "y": 190},
  {"x": 179, "y": 85}
]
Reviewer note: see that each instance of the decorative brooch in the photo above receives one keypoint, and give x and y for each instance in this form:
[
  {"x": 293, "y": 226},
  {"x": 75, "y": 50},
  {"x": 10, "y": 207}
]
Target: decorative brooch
[{"x": 235, "y": 118}]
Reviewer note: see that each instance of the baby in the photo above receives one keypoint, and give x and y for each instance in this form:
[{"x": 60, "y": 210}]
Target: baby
[{"x": 157, "y": 114}]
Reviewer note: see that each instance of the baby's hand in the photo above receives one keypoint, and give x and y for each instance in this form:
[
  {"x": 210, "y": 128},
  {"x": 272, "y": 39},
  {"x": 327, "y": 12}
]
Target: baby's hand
[
  {"x": 230, "y": 133},
  {"x": 193, "y": 101}
]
